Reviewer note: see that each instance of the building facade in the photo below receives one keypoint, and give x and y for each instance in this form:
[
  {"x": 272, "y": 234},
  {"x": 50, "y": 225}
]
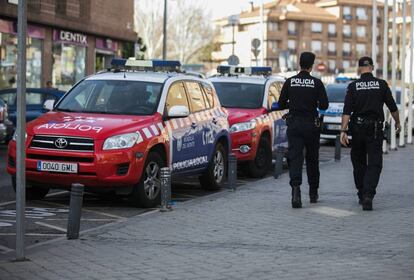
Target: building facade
[
  {"x": 337, "y": 31},
  {"x": 66, "y": 39}
]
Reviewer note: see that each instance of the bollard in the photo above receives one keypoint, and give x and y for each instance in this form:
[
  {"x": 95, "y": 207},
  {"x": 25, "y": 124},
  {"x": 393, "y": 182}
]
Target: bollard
[
  {"x": 232, "y": 172},
  {"x": 280, "y": 152},
  {"x": 165, "y": 189},
  {"x": 338, "y": 148},
  {"x": 75, "y": 211}
]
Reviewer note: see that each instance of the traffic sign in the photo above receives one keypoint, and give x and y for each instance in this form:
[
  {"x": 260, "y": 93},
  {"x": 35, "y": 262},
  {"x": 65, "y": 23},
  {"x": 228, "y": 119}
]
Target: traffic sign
[
  {"x": 321, "y": 67},
  {"x": 256, "y": 43},
  {"x": 233, "y": 60}
]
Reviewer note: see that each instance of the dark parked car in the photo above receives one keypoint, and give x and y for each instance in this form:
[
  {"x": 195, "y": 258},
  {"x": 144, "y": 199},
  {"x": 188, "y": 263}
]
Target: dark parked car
[
  {"x": 6, "y": 126},
  {"x": 35, "y": 98}
]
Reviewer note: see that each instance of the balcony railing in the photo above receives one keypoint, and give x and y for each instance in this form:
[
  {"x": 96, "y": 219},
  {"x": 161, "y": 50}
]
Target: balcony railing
[
  {"x": 346, "y": 53},
  {"x": 331, "y": 52},
  {"x": 347, "y": 36},
  {"x": 292, "y": 33},
  {"x": 347, "y": 17},
  {"x": 332, "y": 34}
]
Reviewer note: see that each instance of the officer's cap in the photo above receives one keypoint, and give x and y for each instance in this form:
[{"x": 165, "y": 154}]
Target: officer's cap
[
  {"x": 307, "y": 59},
  {"x": 365, "y": 61}
]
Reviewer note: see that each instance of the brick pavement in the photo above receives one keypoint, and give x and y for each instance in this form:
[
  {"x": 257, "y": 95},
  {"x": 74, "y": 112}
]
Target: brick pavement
[{"x": 251, "y": 234}]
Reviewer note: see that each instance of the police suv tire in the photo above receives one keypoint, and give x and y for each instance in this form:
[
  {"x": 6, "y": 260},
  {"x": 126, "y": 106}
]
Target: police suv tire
[
  {"x": 208, "y": 180},
  {"x": 139, "y": 195},
  {"x": 34, "y": 192},
  {"x": 259, "y": 167}
]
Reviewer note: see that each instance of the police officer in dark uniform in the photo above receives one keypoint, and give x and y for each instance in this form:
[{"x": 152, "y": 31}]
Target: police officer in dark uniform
[
  {"x": 363, "y": 111},
  {"x": 302, "y": 95}
]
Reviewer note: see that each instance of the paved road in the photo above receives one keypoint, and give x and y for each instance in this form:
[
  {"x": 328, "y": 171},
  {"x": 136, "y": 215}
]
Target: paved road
[{"x": 252, "y": 233}]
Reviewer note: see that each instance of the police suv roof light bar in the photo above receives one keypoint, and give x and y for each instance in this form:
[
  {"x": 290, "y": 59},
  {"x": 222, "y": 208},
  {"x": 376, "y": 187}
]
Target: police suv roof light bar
[
  {"x": 146, "y": 65},
  {"x": 235, "y": 70}
]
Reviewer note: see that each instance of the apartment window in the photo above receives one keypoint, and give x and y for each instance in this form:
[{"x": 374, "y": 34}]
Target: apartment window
[
  {"x": 316, "y": 27},
  {"x": 273, "y": 44},
  {"x": 331, "y": 65},
  {"x": 361, "y": 13},
  {"x": 292, "y": 45},
  {"x": 361, "y": 31},
  {"x": 346, "y": 31},
  {"x": 292, "y": 28},
  {"x": 332, "y": 29},
  {"x": 346, "y": 64},
  {"x": 346, "y": 48},
  {"x": 316, "y": 46},
  {"x": 347, "y": 13},
  {"x": 361, "y": 49},
  {"x": 273, "y": 26},
  {"x": 331, "y": 48}
]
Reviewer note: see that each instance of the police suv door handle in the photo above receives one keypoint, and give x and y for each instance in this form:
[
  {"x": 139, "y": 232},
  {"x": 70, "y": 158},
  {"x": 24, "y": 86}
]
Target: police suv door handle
[{"x": 193, "y": 125}]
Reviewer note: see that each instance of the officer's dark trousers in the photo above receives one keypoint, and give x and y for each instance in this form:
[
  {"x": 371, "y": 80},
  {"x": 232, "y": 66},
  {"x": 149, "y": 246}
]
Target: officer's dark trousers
[
  {"x": 302, "y": 133},
  {"x": 366, "y": 156}
]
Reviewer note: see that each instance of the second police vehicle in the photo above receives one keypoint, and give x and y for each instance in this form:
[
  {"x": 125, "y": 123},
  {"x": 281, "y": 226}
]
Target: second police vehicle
[
  {"x": 116, "y": 129},
  {"x": 248, "y": 94}
]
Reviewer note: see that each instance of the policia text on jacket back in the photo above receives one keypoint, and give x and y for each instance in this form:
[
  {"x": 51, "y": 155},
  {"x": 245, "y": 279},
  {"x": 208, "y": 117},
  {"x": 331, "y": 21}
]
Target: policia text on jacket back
[
  {"x": 363, "y": 111},
  {"x": 303, "y": 94}
]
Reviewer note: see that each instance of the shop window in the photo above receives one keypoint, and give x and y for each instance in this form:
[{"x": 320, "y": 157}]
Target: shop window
[
  {"x": 8, "y": 61},
  {"x": 68, "y": 65}
]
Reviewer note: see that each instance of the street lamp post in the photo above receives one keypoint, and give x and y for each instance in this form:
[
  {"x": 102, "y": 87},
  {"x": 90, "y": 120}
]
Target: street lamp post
[
  {"x": 410, "y": 99},
  {"x": 393, "y": 145},
  {"x": 402, "y": 97},
  {"x": 164, "y": 42},
  {"x": 21, "y": 130},
  {"x": 262, "y": 33},
  {"x": 385, "y": 62},
  {"x": 374, "y": 34}
]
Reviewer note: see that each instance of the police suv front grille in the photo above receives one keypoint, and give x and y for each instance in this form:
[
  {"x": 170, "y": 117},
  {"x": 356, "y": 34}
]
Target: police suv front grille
[{"x": 62, "y": 143}]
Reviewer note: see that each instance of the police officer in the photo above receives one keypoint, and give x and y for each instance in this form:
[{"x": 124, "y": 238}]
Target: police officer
[
  {"x": 363, "y": 111},
  {"x": 302, "y": 95}
]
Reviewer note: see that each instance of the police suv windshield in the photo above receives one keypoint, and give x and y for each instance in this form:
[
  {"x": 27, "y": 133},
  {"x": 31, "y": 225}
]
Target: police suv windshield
[
  {"x": 240, "y": 95},
  {"x": 336, "y": 93},
  {"x": 112, "y": 97}
]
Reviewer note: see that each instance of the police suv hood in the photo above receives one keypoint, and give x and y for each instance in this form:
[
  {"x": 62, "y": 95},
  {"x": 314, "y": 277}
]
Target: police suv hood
[
  {"x": 96, "y": 126},
  {"x": 237, "y": 115}
]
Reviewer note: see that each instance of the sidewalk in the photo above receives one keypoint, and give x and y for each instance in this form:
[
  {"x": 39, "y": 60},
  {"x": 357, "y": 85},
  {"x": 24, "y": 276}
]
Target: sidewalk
[{"x": 252, "y": 233}]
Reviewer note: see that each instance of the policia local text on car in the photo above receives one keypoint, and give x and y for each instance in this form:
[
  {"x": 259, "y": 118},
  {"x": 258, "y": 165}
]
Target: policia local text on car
[
  {"x": 303, "y": 94},
  {"x": 363, "y": 111}
]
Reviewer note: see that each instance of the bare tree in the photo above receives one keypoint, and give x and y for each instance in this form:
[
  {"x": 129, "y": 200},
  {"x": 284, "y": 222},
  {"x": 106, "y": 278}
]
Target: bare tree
[
  {"x": 189, "y": 28},
  {"x": 148, "y": 25}
]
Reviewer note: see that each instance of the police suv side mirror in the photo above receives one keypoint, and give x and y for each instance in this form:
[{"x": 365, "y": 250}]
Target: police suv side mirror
[
  {"x": 275, "y": 107},
  {"x": 48, "y": 105},
  {"x": 178, "y": 111}
]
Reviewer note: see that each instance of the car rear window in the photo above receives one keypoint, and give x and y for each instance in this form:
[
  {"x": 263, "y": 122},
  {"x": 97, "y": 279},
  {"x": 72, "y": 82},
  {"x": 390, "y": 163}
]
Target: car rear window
[
  {"x": 336, "y": 93},
  {"x": 240, "y": 95}
]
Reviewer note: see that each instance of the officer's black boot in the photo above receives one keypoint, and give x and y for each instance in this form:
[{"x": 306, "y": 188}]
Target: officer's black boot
[
  {"x": 313, "y": 195},
  {"x": 296, "y": 199},
  {"x": 367, "y": 204}
]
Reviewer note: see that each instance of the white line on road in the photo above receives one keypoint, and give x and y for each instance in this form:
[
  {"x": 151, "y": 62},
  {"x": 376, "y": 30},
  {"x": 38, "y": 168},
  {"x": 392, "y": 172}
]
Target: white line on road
[
  {"x": 32, "y": 234},
  {"x": 333, "y": 212},
  {"x": 50, "y": 226},
  {"x": 84, "y": 220},
  {"x": 49, "y": 195},
  {"x": 5, "y": 249}
]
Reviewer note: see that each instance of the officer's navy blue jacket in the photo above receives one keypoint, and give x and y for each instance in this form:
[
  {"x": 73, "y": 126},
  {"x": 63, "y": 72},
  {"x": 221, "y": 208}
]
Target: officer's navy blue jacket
[
  {"x": 366, "y": 97},
  {"x": 303, "y": 94}
]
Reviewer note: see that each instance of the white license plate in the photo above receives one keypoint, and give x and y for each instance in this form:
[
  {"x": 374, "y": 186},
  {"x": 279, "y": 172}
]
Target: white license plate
[
  {"x": 52, "y": 166},
  {"x": 333, "y": 126}
]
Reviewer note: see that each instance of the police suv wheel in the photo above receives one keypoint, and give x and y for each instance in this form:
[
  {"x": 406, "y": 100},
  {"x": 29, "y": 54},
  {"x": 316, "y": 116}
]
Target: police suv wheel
[
  {"x": 147, "y": 192},
  {"x": 259, "y": 167},
  {"x": 215, "y": 175},
  {"x": 33, "y": 192}
]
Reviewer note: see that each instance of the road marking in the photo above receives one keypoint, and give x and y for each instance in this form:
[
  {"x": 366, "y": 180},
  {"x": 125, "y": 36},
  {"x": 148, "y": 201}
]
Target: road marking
[
  {"x": 333, "y": 212},
  {"x": 3, "y": 224},
  {"x": 33, "y": 234},
  {"x": 5, "y": 249},
  {"x": 50, "y": 226},
  {"x": 85, "y": 220},
  {"x": 49, "y": 195}
]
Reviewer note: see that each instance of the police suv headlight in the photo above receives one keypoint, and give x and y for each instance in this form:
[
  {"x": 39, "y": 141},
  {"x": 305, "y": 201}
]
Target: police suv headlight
[
  {"x": 244, "y": 126},
  {"x": 122, "y": 141},
  {"x": 15, "y": 136}
]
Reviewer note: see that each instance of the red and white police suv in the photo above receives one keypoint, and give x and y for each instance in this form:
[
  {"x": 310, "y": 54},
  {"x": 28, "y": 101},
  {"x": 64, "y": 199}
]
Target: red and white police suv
[
  {"x": 115, "y": 130},
  {"x": 248, "y": 94}
]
